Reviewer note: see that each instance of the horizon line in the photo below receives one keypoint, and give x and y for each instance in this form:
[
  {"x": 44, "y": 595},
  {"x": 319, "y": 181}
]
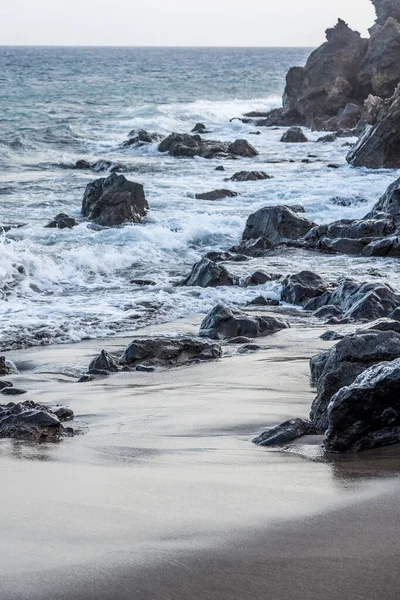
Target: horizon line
[{"x": 139, "y": 46}]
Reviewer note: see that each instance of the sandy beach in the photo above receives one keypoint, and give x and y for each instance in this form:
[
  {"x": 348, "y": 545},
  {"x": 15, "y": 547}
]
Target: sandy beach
[{"x": 163, "y": 495}]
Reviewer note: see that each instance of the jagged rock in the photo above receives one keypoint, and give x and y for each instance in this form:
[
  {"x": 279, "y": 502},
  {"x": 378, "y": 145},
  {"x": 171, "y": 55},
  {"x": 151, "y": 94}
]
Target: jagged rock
[
  {"x": 366, "y": 414},
  {"x": 224, "y": 322},
  {"x": 7, "y": 367},
  {"x": 301, "y": 287},
  {"x": 260, "y": 277},
  {"x": 216, "y": 195},
  {"x": 388, "y": 203},
  {"x": 385, "y": 9},
  {"x": 183, "y": 144},
  {"x": 220, "y": 256},
  {"x": 250, "y": 176},
  {"x": 328, "y": 311},
  {"x": 206, "y": 273},
  {"x": 62, "y": 221},
  {"x": 294, "y": 135},
  {"x": 285, "y": 433},
  {"x": 114, "y": 201},
  {"x": 32, "y": 422},
  {"x": 168, "y": 351},
  {"x": 340, "y": 366},
  {"x": 98, "y": 166},
  {"x": 141, "y": 137},
  {"x": 271, "y": 226},
  {"x": 104, "y": 362}
]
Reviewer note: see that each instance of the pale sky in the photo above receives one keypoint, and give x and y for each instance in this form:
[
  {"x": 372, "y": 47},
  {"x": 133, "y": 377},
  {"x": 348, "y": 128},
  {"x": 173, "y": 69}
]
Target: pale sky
[{"x": 177, "y": 22}]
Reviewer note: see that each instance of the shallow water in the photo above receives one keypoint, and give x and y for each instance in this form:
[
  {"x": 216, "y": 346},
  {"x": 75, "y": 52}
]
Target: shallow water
[{"x": 58, "y": 105}]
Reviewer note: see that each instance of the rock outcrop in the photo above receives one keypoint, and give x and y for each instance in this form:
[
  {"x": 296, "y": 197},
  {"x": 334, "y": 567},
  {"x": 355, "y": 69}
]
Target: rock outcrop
[
  {"x": 185, "y": 145},
  {"x": 224, "y": 322},
  {"x": 114, "y": 201}
]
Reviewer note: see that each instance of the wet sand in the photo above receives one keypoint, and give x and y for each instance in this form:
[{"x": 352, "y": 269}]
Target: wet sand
[{"x": 165, "y": 497}]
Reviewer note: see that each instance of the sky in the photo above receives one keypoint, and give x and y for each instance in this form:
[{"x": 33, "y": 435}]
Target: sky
[{"x": 177, "y": 22}]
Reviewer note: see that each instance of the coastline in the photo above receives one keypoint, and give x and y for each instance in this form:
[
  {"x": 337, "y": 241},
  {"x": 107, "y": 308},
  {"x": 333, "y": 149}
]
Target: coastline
[{"x": 165, "y": 485}]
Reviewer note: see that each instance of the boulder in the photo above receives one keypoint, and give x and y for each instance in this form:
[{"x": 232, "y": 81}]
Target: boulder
[
  {"x": 207, "y": 273},
  {"x": 260, "y": 277},
  {"x": 141, "y": 137},
  {"x": 221, "y": 256},
  {"x": 366, "y": 413},
  {"x": 301, "y": 287},
  {"x": 263, "y": 301},
  {"x": 62, "y": 221},
  {"x": 104, "y": 362},
  {"x": 168, "y": 352},
  {"x": 7, "y": 367},
  {"x": 285, "y": 433},
  {"x": 216, "y": 195},
  {"x": 114, "y": 201},
  {"x": 294, "y": 135},
  {"x": 199, "y": 128},
  {"x": 271, "y": 226},
  {"x": 224, "y": 322},
  {"x": 33, "y": 422},
  {"x": 185, "y": 145},
  {"x": 250, "y": 176},
  {"x": 340, "y": 366}
]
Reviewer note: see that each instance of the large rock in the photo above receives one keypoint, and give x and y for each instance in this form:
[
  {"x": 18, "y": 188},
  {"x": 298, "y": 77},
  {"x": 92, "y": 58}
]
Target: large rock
[
  {"x": 366, "y": 414},
  {"x": 33, "y": 422},
  {"x": 271, "y": 226},
  {"x": 285, "y": 433},
  {"x": 385, "y": 9},
  {"x": 168, "y": 352},
  {"x": 294, "y": 135},
  {"x": 389, "y": 203},
  {"x": 224, "y": 322},
  {"x": 185, "y": 145},
  {"x": 114, "y": 201},
  {"x": 339, "y": 367},
  {"x": 207, "y": 273},
  {"x": 302, "y": 287}
]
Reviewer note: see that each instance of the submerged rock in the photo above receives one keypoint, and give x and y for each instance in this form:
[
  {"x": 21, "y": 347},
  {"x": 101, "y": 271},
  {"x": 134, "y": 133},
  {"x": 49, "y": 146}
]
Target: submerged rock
[
  {"x": 142, "y": 137},
  {"x": 168, "y": 351},
  {"x": 216, "y": 195},
  {"x": 250, "y": 176},
  {"x": 224, "y": 322},
  {"x": 33, "y": 422},
  {"x": 114, "y": 201},
  {"x": 206, "y": 273},
  {"x": 366, "y": 414},
  {"x": 185, "y": 145},
  {"x": 62, "y": 221},
  {"x": 294, "y": 135}
]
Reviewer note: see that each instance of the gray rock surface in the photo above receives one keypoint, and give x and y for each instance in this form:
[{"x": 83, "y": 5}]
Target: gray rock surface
[
  {"x": 206, "y": 273},
  {"x": 224, "y": 322},
  {"x": 168, "y": 352}
]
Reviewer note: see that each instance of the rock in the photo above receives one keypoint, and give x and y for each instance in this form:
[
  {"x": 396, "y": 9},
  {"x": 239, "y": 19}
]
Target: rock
[
  {"x": 143, "y": 282},
  {"x": 12, "y": 391},
  {"x": 340, "y": 366},
  {"x": 220, "y": 256},
  {"x": 271, "y": 226},
  {"x": 7, "y": 367},
  {"x": 294, "y": 135},
  {"x": 114, "y": 201},
  {"x": 327, "y": 139},
  {"x": 224, "y": 323},
  {"x": 385, "y": 9},
  {"x": 141, "y": 137},
  {"x": 285, "y": 433},
  {"x": 348, "y": 117},
  {"x": 389, "y": 204},
  {"x": 365, "y": 301},
  {"x": 301, "y": 287},
  {"x": 199, "y": 128},
  {"x": 99, "y": 166},
  {"x": 31, "y": 421},
  {"x": 62, "y": 221},
  {"x": 206, "y": 273},
  {"x": 395, "y": 315},
  {"x": 185, "y": 145},
  {"x": 333, "y": 166},
  {"x": 262, "y": 301},
  {"x": 64, "y": 414},
  {"x": 239, "y": 340},
  {"x": 220, "y": 168},
  {"x": 331, "y": 336},
  {"x": 249, "y": 348},
  {"x": 366, "y": 414},
  {"x": 100, "y": 372},
  {"x": 250, "y": 176},
  {"x": 4, "y": 384},
  {"x": 144, "y": 369},
  {"x": 168, "y": 352},
  {"x": 259, "y": 278},
  {"x": 104, "y": 362},
  {"x": 82, "y": 164},
  {"x": 216, "y": 195},
  {"x": 86, "y": 378},
  {"x": 328, "y": 311}
]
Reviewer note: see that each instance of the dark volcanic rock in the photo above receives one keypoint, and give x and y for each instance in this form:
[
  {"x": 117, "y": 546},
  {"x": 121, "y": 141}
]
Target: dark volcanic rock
[
  {"x": 114, "y": 201},
  {"x": 62, "y": 221},
  {"x": 31, "y": 421},
  {"x": 141, "y": 137},
  {"x": 216, "y": 195},
  {"x": 271, "y": 226},
  {"x": 263, "y": 301},
  {"x": 104, "y": 362},
  {"x": 7, "y": 367},
  {"x": 260, "y": 277},
  {"x": 185, "y": 145},
  {"x": 168, "y": 351},
  {"x": 285, "y": 433},
  {"x": 199, "y": 128},
  {"x": 221, "y": 256},
  {"x": 302, "y": 287},
  {"x": 206, "y": 273},
  {"x": 366, "y": 414},
  {"x": 250, "y": 176},
  {"x": 340, "y": 366},
  {"x": 385, "y": 9},
  {"x": 224, "y": 322},
  {"x": 294, "y": 135}
]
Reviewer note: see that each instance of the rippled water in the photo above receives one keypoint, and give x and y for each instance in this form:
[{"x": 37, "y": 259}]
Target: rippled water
[{"x": 61, "y": 104}]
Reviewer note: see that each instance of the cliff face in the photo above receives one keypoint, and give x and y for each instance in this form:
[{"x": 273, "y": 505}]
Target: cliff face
[{"x": 344, "y": 70}]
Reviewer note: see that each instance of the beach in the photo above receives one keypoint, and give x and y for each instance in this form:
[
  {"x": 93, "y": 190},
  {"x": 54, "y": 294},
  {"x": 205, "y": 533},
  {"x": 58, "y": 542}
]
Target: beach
[{"x": 164, "y": 495}]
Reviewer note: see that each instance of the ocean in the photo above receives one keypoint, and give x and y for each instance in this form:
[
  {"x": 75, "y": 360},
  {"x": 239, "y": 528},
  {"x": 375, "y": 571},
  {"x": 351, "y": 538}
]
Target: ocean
[{"x": 58, "y": 105}]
